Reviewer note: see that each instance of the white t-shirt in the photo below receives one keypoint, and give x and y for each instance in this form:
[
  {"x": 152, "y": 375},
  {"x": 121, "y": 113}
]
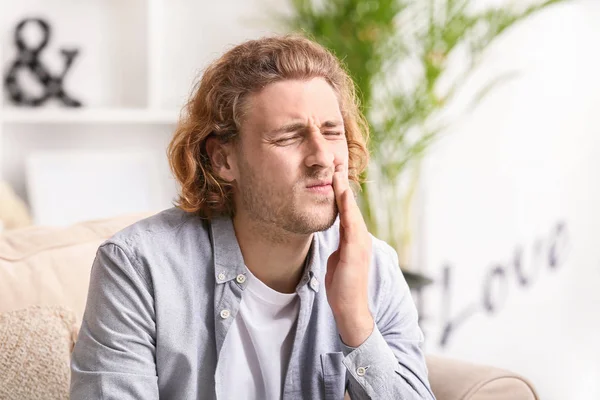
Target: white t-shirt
[{"x": 260, "y": 343}]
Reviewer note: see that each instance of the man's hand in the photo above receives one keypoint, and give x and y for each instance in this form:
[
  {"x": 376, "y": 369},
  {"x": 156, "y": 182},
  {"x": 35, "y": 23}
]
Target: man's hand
[{"x": 348, "y": 267}]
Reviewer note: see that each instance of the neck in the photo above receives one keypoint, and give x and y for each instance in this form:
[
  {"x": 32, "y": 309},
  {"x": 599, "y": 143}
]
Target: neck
[{"x": 273, "y": 255}]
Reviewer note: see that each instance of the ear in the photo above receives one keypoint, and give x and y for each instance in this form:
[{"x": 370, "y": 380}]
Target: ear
[{"x": 222, "y": 158}]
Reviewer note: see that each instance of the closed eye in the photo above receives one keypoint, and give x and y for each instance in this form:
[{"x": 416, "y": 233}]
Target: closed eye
[
  {"x": 332, "y": 133},
  {"x": 287, "y": 140}
]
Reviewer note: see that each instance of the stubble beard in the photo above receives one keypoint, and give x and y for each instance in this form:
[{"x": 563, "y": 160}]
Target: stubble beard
[{"x": 294, "y": 212}]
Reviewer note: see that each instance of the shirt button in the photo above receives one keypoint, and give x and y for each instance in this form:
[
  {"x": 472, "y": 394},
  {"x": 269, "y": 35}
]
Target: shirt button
[
  {"x": 241, "y": 278},
  {"x": 314, "y": 283},
  {"x": 361, "y": 371},
  {"x": 225, "y": 314},
  {"x": 221, "y": 276}
]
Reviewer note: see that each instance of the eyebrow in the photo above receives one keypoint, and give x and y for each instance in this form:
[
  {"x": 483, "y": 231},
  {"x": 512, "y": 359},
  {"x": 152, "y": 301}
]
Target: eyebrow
[{"x": 296, "y": 126}]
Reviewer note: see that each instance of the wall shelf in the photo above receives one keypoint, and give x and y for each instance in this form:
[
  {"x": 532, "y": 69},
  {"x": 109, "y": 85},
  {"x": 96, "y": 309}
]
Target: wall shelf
[
  {"x": 90, "y": 116},
  {"x": 137, "y": 63}
]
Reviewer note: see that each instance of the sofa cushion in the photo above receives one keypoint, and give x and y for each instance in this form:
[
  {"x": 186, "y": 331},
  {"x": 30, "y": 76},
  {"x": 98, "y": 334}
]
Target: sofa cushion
[
  {"x": 35, "y": 348},
  {"x": 51, "y": 265}
]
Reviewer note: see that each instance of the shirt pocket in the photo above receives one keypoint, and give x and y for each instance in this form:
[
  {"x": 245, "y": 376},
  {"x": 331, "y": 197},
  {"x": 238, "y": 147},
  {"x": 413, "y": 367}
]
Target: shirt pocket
[{"x": 334, "y": 375}]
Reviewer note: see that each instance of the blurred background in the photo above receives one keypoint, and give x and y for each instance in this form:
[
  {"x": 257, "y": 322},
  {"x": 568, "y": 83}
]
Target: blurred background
[{"x": 485, "y": 119}]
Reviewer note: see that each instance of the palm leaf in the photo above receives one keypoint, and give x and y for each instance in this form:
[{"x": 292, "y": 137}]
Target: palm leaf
[{"x": 377, "y": 38}]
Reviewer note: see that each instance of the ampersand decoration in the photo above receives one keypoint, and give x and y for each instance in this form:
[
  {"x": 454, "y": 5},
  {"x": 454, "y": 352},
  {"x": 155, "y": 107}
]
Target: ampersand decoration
[{"x": 28, "y": 58}]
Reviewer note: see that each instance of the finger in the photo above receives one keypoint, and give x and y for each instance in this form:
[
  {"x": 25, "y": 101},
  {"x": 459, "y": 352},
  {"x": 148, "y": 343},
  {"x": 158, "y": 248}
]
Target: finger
[
  {"x": 341, "y": 188},
  {"x": 340, "y": 185},
  {"x": 350, "y": 215}
]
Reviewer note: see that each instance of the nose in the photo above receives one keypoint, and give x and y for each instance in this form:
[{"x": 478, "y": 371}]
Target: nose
[{"x": 319, "y": 152}]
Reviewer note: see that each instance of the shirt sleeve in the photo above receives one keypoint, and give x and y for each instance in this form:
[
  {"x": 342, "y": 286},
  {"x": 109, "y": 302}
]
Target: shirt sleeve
[
  {"x": 390, "y": 363},
  {"x": 114, "y": 354}
]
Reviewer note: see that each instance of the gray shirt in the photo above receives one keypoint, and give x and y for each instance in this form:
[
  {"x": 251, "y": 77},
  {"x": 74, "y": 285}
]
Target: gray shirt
[{"x": 164, "y": 292}]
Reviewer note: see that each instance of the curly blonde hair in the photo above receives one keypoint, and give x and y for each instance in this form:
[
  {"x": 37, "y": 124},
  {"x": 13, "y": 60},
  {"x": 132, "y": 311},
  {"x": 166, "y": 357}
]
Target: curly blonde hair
[{"x": 216, "y": 109}]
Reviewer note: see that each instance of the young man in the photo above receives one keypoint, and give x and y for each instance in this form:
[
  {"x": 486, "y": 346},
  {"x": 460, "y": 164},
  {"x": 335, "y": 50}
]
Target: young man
[{"x": 252, "y": 287}]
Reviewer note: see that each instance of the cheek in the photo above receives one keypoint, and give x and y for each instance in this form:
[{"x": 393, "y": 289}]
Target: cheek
[
  {"x": 279, "y": 169},
  {"x": 340, "y": 154}
]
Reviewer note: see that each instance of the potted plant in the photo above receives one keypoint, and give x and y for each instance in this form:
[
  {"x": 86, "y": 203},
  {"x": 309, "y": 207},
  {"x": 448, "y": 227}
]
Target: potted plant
[{"x": 399, "y": 53}]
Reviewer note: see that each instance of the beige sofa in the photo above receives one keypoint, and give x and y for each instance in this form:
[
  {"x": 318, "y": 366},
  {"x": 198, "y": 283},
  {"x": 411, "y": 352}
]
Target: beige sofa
[{"x": 44, "y": 275}]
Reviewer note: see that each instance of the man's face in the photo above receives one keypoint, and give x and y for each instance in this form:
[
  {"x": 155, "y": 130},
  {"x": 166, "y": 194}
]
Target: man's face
[{"x": 291, "y": 140}]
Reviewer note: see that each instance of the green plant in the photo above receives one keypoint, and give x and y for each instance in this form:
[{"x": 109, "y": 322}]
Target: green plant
[{"x": 399, "y": 53}]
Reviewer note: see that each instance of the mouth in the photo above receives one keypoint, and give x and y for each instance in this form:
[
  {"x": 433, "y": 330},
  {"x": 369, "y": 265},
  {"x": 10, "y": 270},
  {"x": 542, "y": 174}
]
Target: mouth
[{"x": 320, "y": 187}]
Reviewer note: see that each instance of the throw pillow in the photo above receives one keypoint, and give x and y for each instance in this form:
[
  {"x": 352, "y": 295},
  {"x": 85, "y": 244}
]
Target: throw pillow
[{"x": 35, "y": 349}]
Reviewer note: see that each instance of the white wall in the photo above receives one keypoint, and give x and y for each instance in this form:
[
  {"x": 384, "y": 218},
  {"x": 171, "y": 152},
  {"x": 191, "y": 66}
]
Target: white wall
[{"x": 501, "y": 180}]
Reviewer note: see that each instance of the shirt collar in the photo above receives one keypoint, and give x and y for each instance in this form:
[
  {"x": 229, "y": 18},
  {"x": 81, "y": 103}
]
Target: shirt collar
[
  {"x": 229, "y": 262},
  {"x": 312, "y": 267}
]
